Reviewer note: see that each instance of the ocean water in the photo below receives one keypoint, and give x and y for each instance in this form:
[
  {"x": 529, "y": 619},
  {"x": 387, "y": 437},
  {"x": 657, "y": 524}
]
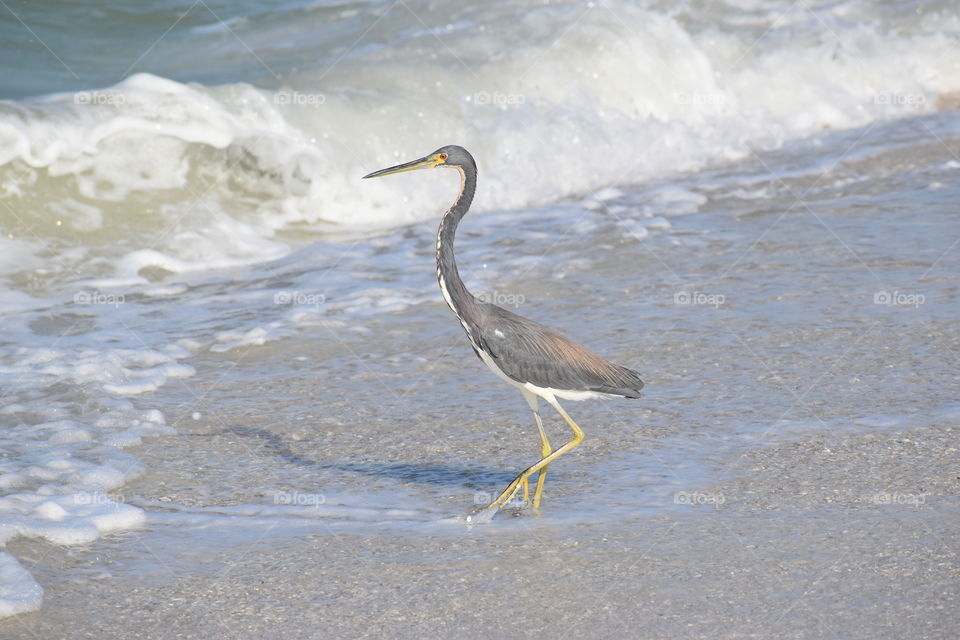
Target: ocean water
[{"x": 210, "y": 323}]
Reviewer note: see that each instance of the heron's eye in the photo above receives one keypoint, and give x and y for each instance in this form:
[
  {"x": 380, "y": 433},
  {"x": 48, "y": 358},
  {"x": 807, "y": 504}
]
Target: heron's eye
[{"x": 443, "y": 156}]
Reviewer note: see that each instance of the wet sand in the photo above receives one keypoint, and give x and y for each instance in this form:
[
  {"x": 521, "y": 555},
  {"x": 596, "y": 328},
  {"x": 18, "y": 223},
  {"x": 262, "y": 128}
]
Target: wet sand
[{"x": 803, "y": 545}]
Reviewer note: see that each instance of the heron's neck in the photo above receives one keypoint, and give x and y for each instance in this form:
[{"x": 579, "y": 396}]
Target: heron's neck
[{"x": 454, "y": 291}]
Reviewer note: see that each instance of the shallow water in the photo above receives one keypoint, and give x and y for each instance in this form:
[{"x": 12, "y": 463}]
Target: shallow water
[
  {"x": 336, "y": 408},
  {"x": 756, "y": 322}
]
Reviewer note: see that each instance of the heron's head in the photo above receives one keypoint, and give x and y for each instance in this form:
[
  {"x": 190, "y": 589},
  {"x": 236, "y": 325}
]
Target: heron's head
[{"x": 448, "y": 156}]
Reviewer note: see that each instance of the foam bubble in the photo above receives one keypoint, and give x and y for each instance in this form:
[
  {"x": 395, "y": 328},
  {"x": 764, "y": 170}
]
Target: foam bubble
[
  {"x": 65, "y": 448},
  {"x": 19, "y": 592}
]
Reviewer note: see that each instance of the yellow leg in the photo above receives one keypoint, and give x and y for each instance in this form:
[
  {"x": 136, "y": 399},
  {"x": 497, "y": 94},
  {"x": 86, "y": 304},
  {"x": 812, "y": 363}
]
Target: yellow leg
[
  {"x": 545, "y": 451},
  {"x": 507, "y": 494}
]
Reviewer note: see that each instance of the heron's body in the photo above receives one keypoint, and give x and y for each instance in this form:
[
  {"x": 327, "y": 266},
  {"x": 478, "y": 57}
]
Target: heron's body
[{"x": 533, "y": 358}]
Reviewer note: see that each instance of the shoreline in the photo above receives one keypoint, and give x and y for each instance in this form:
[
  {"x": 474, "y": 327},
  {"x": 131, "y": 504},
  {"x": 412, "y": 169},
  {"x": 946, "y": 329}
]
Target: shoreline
[{"x": 793, "y": 551}]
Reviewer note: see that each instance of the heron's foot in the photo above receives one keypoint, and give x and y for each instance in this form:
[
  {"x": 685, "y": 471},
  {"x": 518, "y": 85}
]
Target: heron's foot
[{"x": 509, "y": 495}]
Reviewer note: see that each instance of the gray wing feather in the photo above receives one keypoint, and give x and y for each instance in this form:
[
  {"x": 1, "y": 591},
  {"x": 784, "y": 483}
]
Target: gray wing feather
[{"x": 529, "y": 352}]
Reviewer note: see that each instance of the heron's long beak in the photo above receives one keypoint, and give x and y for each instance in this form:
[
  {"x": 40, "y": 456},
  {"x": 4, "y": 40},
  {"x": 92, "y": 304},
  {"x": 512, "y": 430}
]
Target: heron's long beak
[{"x": 427, "y": 162}]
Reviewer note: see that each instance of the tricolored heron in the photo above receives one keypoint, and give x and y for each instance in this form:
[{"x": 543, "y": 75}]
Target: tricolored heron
[{"x": 535, "y": 359}]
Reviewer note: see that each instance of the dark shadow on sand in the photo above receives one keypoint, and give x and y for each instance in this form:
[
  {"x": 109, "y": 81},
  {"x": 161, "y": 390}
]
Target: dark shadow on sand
[{"x": 435, "y": 474}]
